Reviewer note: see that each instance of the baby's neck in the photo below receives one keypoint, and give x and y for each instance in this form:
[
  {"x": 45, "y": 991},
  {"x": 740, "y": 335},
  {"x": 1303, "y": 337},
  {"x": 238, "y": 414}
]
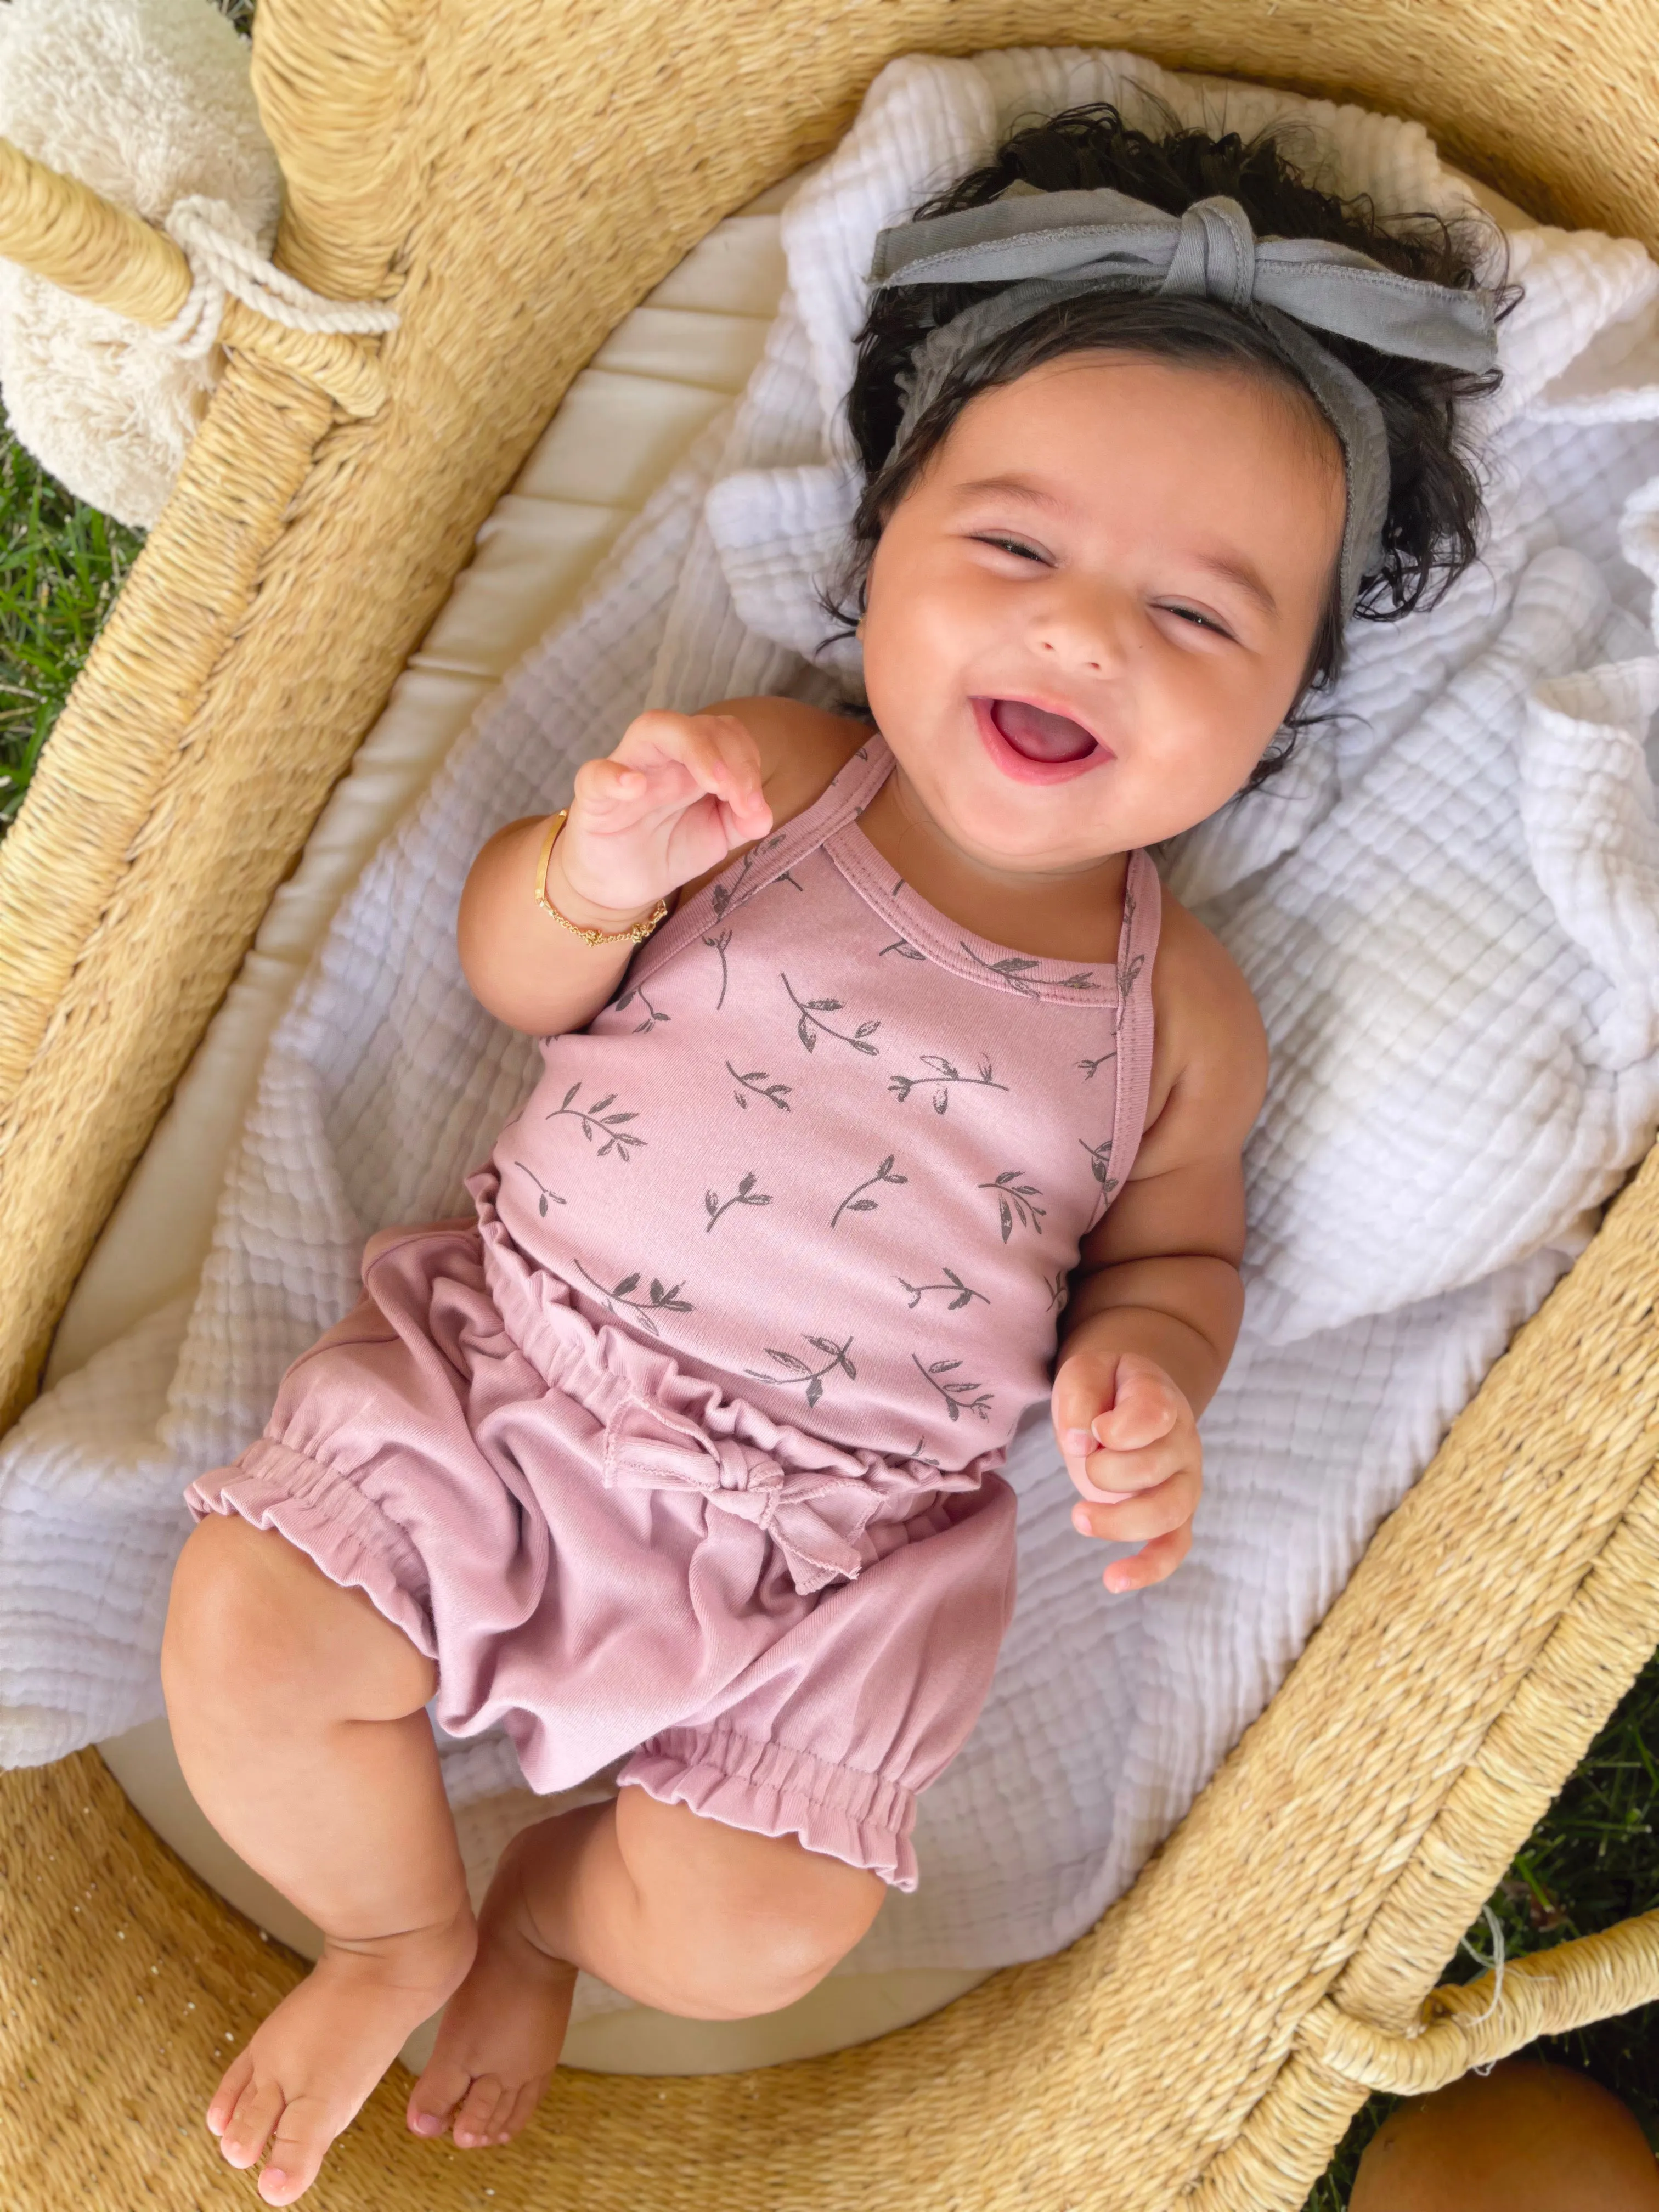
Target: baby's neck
[{"x": 1070, "y": 915}]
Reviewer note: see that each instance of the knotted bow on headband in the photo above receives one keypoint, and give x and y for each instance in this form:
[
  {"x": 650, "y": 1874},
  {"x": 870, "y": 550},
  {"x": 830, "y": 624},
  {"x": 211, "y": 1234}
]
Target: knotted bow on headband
[{"x": 1045, "y": 246}]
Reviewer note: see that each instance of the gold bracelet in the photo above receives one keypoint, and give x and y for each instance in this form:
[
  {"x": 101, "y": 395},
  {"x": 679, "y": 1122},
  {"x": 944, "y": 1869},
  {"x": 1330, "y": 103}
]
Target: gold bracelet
[{"x": 636, "y": 935}]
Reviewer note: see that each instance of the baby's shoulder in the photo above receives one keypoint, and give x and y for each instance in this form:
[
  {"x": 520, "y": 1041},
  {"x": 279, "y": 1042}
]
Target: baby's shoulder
[
  {"x": 1209, "y": 1043},
  {"x": 802, "y": 748}
]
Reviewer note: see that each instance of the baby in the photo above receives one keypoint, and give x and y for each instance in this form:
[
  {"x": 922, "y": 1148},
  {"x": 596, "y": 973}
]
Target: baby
[{"x": 885, "y": 1096}]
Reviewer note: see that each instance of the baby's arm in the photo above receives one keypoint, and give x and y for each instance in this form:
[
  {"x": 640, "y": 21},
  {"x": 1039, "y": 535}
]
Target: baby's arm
[
  {"x": 679, "y": 795},
  {"x": 1156, "y": 1301}
]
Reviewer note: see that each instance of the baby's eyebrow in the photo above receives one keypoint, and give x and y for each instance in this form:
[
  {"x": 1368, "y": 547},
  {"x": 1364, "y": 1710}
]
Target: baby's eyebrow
[
  {"x": 1238, "y": 571},
  {"x": 1020, "y": 488}
]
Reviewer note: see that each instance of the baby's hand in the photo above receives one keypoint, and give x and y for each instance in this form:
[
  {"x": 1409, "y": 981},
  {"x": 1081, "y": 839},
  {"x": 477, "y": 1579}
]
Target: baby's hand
[
  {"x": 1131, "y": 1445},
  {"x": 674, "y": 799}
]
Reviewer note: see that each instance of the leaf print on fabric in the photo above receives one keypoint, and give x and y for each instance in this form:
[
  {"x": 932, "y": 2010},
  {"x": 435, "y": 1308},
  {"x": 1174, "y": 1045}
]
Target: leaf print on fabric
[
  {"x": 1015, "y": 971},
  {"x": 717, "y": 944},
  {"x": 745, "y": 1194},
  {"x": 1057, "y": 1288},
  {"x": 811, "y": 1013},
  {"x": 723, "y": 894},
  {"x": 955, "y": 1394},
  {"x": 944, "y": 1073},
  {"x": 854, "y": 1203},
  {"x": 1126, "y": 975},
  {"x": 1016, "y": 1198},
  {"x": 664, "y": 1297},
  {"x": 952, "y": 1282},
  {"x": 653, "y": 1014},
  {"x": 784, "y": 877},
  {"x": 547, "y": 1196},
  {"x": 798, "y": 1371},
  {"x": 774, "y": 1094},
  {"x": 1091, "y": 1067},
  {"x": 609, "y": 1126},
  {"x": 1100, "y": 1157},
  {"x": 904, "y": 951}
]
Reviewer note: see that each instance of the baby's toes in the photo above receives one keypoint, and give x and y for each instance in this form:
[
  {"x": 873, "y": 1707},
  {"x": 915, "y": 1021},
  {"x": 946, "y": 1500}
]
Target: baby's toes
[
  {"x": 296, "y": 2151},
  {"x": 529, "y": 2096},
  {"x": 255, "y": 2112},
  {"x": 232, "y": 2083},
  {"x": 432, "y": 2099},
  {"x": 475, "y": 2122}
]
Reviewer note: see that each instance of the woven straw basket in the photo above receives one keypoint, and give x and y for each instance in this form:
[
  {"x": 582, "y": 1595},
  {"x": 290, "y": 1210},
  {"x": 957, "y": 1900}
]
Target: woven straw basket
[{"x": 519, "y": 175}]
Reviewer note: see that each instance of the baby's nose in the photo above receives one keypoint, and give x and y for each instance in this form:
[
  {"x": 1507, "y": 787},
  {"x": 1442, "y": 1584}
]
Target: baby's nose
[{"x": 1090, "y": 634}]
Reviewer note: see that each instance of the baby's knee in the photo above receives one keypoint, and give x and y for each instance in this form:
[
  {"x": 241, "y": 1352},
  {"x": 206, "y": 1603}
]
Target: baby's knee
[
  {"x": 251, "y": 1617},
  {"x": 754, "y": 1922},
  {"x": 236, "y": 1611},
  {"x": 735, "y": 1967},
  {"x": 768, "y": 1953}
]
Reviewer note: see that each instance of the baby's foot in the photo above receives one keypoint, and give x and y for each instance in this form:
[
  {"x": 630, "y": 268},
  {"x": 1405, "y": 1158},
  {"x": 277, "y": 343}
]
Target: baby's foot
[
  {"x": 503, "y": 2029},
  {"x": 309, "y": 2067}
]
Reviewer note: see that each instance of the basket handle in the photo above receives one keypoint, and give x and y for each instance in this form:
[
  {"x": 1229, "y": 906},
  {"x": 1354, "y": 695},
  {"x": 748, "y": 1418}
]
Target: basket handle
[
  {"x": 62, "y": 229},
  {"x": 1544, "y": 1994}
]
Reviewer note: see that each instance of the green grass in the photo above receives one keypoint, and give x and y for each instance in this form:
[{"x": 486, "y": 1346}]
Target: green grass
[{"x": 61, "y": 565}]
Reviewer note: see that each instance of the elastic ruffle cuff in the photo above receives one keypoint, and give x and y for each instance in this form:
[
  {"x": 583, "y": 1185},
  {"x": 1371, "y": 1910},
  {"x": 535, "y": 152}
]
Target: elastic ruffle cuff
[
  {"x": 328, "y": 1518},
  {"x": 773, "y": 1790}
]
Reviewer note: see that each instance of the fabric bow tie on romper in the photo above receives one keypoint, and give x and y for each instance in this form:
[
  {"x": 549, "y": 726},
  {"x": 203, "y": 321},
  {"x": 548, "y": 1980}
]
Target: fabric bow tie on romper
[
  {"x": 814, "y": 1515},
  {"x": 1047, "y": 247}
]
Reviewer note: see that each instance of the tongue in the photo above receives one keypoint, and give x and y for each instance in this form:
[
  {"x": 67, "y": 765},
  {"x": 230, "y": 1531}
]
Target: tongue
[{"x": 1039, "y": 735}]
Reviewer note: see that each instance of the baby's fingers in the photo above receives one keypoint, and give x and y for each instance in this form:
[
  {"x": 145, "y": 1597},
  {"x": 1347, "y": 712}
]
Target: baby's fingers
[
  {"x": 728, "y": 764},
  {"x": 605, "y": 784},
  {"x": 1107, "y": 1476},
  {"x": 715, "y": 750},
  {"x": 1138, "y": 1520},
  {"x": 1145, "y": 1405},
  {"x": 1151, "y": 1563}
]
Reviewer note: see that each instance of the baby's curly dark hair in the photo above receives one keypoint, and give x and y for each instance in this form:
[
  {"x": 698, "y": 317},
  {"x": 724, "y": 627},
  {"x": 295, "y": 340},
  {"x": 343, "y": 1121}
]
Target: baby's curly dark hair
[{"x": 1430, "y": 534}]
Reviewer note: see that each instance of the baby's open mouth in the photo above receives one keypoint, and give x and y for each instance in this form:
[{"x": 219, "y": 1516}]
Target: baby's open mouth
[{"x": 1036, "y": 734}]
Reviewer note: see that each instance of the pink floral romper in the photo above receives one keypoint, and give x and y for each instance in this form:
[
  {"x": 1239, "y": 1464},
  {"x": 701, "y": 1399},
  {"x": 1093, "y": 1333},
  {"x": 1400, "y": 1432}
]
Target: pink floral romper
[{"x": 686, "y": 1447}]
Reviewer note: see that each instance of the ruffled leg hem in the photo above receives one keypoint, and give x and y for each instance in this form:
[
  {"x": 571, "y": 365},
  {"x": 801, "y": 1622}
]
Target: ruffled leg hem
[
  {"x": 325, "y": 1514},
  {"x": 772, "y": 1790}
]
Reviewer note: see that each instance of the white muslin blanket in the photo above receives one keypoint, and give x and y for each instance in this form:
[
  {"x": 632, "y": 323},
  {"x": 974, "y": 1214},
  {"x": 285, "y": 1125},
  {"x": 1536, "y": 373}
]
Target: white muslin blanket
[{"x": 1449, "y": 911}]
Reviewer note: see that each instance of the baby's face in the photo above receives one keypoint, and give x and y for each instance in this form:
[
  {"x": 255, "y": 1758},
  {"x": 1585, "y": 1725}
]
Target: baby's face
[{"x": 1088, "y": 617}]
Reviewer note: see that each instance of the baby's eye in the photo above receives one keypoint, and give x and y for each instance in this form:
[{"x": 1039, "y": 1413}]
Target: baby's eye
[
  {"x": 1015, "y": 546},
  {"x": 1198, "y": 621}
]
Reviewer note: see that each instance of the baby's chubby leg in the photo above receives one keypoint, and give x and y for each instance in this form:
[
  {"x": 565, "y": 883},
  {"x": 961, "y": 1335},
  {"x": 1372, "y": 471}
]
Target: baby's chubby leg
[
  {"x": 296, "y": 1710},
  {"x": 675, "y": 1909}
]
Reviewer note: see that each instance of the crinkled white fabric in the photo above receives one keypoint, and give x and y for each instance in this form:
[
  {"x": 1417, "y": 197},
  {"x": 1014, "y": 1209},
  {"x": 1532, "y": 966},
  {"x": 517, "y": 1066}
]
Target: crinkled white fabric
[{"x": 1446, "y": 910}]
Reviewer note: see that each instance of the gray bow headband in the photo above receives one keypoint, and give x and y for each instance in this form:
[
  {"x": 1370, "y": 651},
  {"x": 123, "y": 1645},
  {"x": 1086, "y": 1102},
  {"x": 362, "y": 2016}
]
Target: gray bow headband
[{"x": 1045, "y": 246}]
